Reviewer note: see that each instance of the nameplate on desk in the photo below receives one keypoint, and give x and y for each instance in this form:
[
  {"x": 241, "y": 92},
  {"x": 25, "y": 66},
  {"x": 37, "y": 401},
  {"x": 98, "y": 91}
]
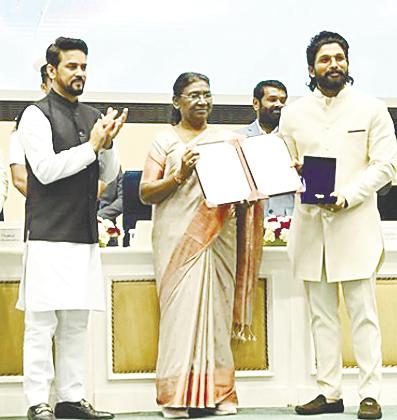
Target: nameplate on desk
[
  {"x": 389, "y": 230},
  {"x": 10, "y": 234}
]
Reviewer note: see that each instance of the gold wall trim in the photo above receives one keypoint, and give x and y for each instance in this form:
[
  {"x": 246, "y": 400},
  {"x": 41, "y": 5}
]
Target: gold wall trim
[
  {"x": 386, "y": 296},
  {"x": 253, "y": 355},
  {"x": 135, "y": 320},
  {"x": 135, "y": 325},
  {"x": 11, "y": 330}
]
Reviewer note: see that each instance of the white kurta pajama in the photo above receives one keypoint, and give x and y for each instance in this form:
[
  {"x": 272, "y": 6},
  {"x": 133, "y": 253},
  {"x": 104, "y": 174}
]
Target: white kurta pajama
[
  {"x": 3, "y": 183},
  {"x": 345, "y": 246},
  {"x": 62, "y": 281}
]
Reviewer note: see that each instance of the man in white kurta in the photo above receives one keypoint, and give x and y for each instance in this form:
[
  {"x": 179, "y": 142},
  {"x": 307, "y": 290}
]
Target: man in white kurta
[
  {"x": 16, "y": 157},
  {"x": 70, "y": 276},
  {"x": 17, "y": 163},
  {"x": 63, "y": 278},
  {"x": 341, "y": 242},
  {"x": 3, "y": 185}
]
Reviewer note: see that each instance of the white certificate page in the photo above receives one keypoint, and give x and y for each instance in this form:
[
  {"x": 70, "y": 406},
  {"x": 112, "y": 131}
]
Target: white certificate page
[
  {"x": 221, "y": 174},
  {"x": 270, "y": 164}
]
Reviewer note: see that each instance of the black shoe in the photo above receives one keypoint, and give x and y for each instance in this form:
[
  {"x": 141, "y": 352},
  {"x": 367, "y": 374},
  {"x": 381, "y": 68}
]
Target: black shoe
[
  {"x": 79, "y": 410},
  {"x": 369, "y": 409},
  {"x": 40, "y": 412},
  {"x": 320, "y": 405}
]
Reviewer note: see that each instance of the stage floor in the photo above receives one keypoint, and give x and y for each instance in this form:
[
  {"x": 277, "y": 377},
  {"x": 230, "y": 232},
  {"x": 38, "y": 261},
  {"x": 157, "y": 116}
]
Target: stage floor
[{"x": 389, "y": 412}]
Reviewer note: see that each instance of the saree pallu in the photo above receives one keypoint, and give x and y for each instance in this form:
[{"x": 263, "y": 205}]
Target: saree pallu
[{"x": 195, "y": 260}]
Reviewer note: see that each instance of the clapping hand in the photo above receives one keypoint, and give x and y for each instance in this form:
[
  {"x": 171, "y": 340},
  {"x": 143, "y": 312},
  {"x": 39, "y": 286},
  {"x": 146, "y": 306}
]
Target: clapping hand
[
  {"x": 106, "y": 128},
  {"x": 116, "y": 124},
  {"x": 99, "y": 134}
]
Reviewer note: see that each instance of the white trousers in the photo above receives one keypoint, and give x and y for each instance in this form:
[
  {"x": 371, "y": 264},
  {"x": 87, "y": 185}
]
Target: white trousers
[
  {"x": 69, "y": 329},
  {"x": 326, "y": 328}
]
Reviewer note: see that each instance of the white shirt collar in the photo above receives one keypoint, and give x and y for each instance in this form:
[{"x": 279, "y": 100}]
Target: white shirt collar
[
  {"x": 317, "y": 92},
  {"x": 264, "y": 132}
]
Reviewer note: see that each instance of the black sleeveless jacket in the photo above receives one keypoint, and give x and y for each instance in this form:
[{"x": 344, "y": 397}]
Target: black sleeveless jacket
[{"x": 64, "y": 210}]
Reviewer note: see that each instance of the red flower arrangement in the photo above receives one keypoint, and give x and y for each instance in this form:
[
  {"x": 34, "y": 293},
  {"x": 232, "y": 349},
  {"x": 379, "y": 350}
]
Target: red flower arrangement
[
  {"x": 276, "y": 230},
  {"x": 106, "y": 230}
]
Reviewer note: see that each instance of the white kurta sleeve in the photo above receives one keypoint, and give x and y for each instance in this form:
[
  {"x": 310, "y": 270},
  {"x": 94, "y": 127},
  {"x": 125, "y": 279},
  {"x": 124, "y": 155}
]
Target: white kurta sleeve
[
  {"x": 382, "y": 157},
  {"x": 3, "y": 182},
  {"x": 16, "y": 153},
  {"x": 109, "y": 165},
  {"x": 36, "y": 137}
]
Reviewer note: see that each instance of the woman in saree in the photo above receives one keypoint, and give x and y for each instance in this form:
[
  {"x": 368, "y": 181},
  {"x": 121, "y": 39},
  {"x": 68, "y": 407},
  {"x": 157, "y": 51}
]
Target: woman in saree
[{"x": 206, "y": 263}]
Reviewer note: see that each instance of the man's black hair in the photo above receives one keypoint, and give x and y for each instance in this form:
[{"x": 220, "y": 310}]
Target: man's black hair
[
  {"x": 323, "y": 38},
  {"x": 259, "y": 88},
  {"x": 64, "y": 44},
  {"x": 43, "y": 73}
]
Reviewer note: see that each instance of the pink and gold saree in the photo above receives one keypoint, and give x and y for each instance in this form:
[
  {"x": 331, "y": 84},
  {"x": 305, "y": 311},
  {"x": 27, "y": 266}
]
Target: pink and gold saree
[{"x": 197, "y": 269}]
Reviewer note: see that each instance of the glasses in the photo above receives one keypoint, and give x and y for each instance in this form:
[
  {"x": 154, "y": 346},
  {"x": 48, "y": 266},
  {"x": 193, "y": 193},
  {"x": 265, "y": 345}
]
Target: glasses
[{"x": 195, "y": 96}]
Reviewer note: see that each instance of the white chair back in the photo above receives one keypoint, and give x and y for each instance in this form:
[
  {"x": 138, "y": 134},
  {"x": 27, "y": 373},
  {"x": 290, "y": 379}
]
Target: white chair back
[{"x": 142, "y": 235}]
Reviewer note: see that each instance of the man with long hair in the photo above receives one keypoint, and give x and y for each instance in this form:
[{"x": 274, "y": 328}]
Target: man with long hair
[{"x": 341, "y": 243}]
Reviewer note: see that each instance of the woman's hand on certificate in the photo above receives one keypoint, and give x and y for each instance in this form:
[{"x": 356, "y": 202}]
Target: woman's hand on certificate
[
  {"x": 247, "y": 204},
  {"x": 188, "y": 162}
]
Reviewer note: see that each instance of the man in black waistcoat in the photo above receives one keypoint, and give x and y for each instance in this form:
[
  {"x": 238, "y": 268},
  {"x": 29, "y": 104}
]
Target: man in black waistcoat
[{"x": 68, "y": 147}]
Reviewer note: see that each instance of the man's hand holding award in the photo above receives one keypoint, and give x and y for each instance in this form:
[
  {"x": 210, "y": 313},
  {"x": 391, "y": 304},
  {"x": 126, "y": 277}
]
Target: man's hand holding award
[{"x": 318, "y": 174}]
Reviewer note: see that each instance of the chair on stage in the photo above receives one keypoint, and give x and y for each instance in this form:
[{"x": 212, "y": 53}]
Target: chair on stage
[
  {"x": 387, "y": 204},
  {"x": 133, "y": 208},
  {"x": 142, "y": 238}
]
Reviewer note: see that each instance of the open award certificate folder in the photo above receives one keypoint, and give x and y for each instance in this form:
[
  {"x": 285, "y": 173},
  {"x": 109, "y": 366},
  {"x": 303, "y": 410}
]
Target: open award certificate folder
[{"x": 249, "y": 169}]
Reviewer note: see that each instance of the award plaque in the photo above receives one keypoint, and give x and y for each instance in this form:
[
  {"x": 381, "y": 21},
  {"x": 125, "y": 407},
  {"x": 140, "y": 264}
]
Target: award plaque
[{"x": 318, "y": 175}]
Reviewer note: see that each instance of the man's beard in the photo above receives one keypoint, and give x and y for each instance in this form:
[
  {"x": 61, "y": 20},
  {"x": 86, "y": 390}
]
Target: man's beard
[
  {"x": 269, "y": 117},
  {"x": 326, "y": 83},
  {"x": 73, "y": 91}
]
